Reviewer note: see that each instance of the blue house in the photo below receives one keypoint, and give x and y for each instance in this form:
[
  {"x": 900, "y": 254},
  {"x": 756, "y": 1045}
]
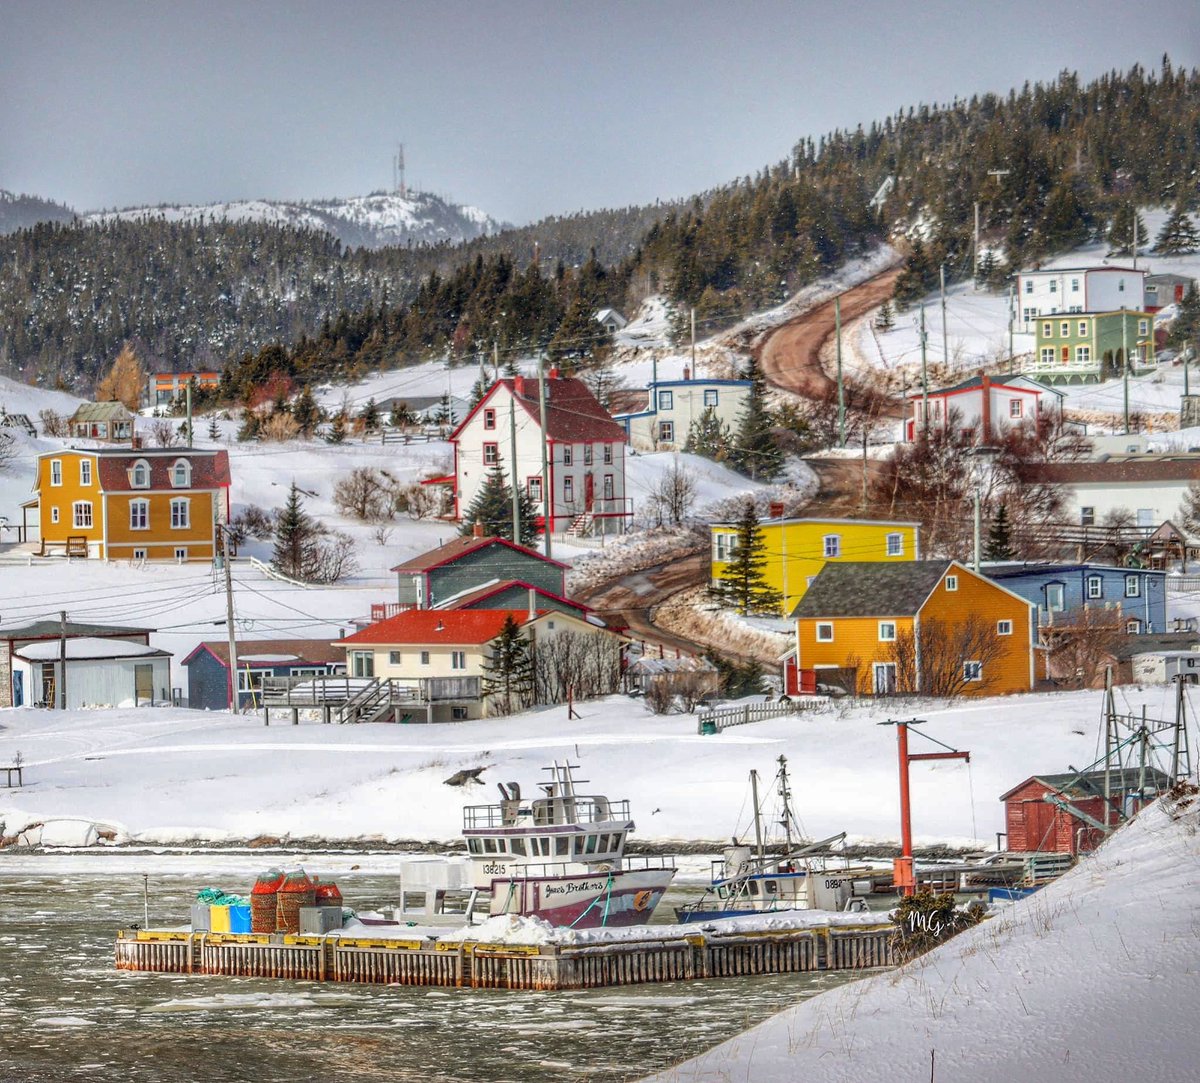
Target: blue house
[
  {"x": 208, "y": 668},
  {"x": 1061, "y": 589}
]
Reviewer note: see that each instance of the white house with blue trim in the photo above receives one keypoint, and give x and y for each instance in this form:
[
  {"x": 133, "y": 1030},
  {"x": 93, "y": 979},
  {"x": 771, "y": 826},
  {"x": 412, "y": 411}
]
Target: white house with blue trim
[{"x": 659, "y": 416}]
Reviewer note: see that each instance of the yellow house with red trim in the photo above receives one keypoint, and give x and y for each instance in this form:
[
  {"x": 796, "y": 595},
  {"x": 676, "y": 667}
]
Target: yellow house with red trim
[
  {"x": 926, "y": 626},
  {"x": 139, "y": 504}
]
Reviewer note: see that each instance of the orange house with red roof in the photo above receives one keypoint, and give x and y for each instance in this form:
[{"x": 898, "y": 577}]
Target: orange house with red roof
[
  {"x": 441, "y": 655},
  {"x": 583, "y": 490}
]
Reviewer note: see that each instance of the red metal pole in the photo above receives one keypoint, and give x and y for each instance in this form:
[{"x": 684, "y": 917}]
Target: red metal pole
[{"x": 902, "y": 867}]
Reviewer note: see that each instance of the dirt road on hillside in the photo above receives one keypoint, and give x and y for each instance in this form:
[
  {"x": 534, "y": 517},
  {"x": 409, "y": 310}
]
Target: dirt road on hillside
[{"x": 790, "y": 355}]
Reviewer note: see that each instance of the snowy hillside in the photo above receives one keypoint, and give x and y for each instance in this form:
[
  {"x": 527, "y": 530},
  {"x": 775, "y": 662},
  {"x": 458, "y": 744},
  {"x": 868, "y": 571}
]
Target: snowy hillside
[
  {"x": 22, "y": 211},
  {"x": 371, "y": 221},
  {"x": 1090, "y": 979}
]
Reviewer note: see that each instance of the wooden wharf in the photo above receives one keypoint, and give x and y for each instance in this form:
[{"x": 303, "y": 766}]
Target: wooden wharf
[{"x": 336, "y": 957}]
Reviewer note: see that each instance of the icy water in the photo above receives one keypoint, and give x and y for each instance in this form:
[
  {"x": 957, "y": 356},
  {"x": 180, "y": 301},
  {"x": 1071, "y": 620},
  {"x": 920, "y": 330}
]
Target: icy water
[{"x": 67, "y": 1014}]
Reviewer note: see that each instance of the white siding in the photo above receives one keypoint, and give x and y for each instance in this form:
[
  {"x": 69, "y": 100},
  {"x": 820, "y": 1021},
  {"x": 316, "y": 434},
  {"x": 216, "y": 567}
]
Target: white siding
[
  {"x": 686, "y": 405},
  {"x": 107, "y": 683}
]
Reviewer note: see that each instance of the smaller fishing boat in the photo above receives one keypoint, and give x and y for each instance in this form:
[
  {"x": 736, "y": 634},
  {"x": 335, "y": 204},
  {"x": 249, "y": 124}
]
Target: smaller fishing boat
[{"x": 782, "y": 875}]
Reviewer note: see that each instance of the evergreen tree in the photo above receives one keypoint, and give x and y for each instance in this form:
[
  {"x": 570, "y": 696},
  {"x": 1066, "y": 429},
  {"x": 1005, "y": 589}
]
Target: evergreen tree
[
  {"x": 492, "y": 508},
  {"x": 999, "y": 540},
  {"x": 125, "y": 382},
  {"x": 478, "y": 389},
  {"x": 709, "y": 436},
  {"x": 1178, "y": 234},
  {"x": 297, "y": 538},
  {"x": 444, "y": 415},
  {"x": 508, "y": 671},
  {"x": 337, "y": 429},
  {"x": 400, "y": 415},
  {"x": 250, "y": 427},
  {"x": 214, "y": 430},
  {"x": 370, "y": 416},
  {"x": 1185, "y": 328},
  {"x": 306, "y": 412},
  {"x": 755, "y": 452},
  {"x": 886, "y": 319},
  {"x": 742, "y": 584},
  {"x": 185, "y": 432},
  {"x": 1120, "y": 230},
  {"x": 1064, "y": 222}
]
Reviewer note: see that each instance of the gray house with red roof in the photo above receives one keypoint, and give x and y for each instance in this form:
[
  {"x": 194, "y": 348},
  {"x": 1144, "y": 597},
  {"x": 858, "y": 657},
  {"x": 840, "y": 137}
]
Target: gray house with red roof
[{"x": 583, "y": 490}]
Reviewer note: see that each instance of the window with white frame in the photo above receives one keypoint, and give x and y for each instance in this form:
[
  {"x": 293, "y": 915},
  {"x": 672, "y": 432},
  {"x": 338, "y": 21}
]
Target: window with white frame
[
  {"x": 1003, "y": 627},
  {"x": 181, "y": 517},
  {"x": 139, "y": 515},
  {"x": 56, "y": 472},
  {"x": 568, "y": 455},
  {"x": 1053, "y": 286},
  {"x": 1047, "y": 355},
  {"x": 1133, "y": 586},
  {"x": 139, "y": 477},
  {"x": 181, "y": 474},
  {"x": 710, "y": 397},
  {"x": 249, "y": 680},
  {"x": 1095, "y": 586},
  {"x": 666, "y": 431},
  {"x": 569, "y": 489},
  {"x": 972, "y": 671},
  {"x": 1047, "y": 329},
  {"x": 393, "y": 658},
  {"x": 1143, "y": 327},
  {"x": 1087, "y": 516},
  {"x": 824, "y": 632},
  {"x": 587, "y": 454},
  {"x": 458, "y": 659},
  {"x": 1015, "y": 406},
  {"x": 489, "y": 419},
  {"x": 1083, "y": 328},
  {"x": 952, "y": 582},
  {"x": 608, "y": 455},
  {"x": 895, "y": 545},
  {"x": 887, "y": 631},
  {"x": 362, "y": 663},
  {"x": 832, "y": 545},
  {"x": 608, "y": 487},
  {"x": 1083, "y": 355},
  {"x": 1029, "y": 285},
  {"x": 1133, "y": 626},
  {"x": 1055, "y": 598},
  {"x": 491, "y": 454},
  {"x": 424, "y": 658},
  {"x": 725, "y": 546},
  {"x": 1029, "y": 315},
  {"x": 666, "y": 400},
  {"x": 181, "y": 554},
  {"x": 82, "y": 514},
  {"x": 139, "y": 554},
  {"x": 54, "y": 515},
  {"x": 533, "y": 486},
  {"x": 1064, "y": 329},
  {"x": 85, "y": 472},
  {"x": 1074, "y": 285}
]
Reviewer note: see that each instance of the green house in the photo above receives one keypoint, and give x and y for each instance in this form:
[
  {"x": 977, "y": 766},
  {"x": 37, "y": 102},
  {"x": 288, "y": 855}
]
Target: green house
[{"x": 1089, "y": 347}]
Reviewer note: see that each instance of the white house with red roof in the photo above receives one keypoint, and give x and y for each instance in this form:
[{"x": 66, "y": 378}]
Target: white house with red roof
[
  {"x": 1076, "y": 289},
  {"x": 441, "y": 655},
  {"x": 585, "y": 478},
  {"x": 983, "y": 406}
]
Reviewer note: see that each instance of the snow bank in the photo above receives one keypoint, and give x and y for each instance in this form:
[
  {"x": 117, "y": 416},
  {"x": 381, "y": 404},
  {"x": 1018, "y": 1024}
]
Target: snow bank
[{"x": 1090, "y": 979}]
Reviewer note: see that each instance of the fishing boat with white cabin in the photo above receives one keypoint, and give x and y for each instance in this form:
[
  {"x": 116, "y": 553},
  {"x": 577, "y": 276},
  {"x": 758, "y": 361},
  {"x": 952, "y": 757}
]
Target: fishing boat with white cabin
[
  {"x": 779, "y": 876},
  {"x": 559, "y": 856}
]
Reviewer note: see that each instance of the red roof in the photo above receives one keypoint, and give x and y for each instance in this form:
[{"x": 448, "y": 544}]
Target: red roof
[
  {"x": 452, "y": 550},
  {"x": 573, "y": 414},
  {"x": 210, "y": 469},
  {"x": 428, "y": 627}
]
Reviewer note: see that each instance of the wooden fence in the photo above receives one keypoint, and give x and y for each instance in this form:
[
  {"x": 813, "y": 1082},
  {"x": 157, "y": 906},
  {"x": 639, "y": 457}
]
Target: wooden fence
[{"x": 716, "y": 719}]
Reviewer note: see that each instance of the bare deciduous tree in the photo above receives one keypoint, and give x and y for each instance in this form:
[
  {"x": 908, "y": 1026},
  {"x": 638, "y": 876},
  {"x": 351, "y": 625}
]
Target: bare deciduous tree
[
  {"x": 53, "y": 423},
  {"x": 124, "y": 382},
  {"x": 163, "y": 433},
  {"x": 1081, "y": 641},
  {"x": 579, "y": 663},
  {"x": 364, "y": 494},
  {"x": 948, "y": 659},
  {"x": 672, "y": 498}
]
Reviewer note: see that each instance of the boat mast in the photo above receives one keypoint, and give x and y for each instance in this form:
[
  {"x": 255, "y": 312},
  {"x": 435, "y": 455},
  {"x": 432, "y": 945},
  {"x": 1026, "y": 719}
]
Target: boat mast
[
  {"x": 758, "y": 835},
  {"x": 785, "y": 797}
]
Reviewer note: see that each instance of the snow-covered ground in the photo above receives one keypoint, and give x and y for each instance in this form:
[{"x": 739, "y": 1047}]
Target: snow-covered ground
[
  {"x": 976, "y": 331},
  {"x": 1091, "y": 979},
  {"x": 168, "y": 775}
]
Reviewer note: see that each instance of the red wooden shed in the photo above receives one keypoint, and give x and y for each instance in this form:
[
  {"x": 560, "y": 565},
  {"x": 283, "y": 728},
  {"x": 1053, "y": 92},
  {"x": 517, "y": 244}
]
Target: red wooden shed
[{"x": 1034, "y": 824}]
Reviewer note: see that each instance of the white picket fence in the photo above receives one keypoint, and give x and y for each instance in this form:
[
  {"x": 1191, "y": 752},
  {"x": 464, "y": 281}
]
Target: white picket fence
[{"x": 715, "y": 719}]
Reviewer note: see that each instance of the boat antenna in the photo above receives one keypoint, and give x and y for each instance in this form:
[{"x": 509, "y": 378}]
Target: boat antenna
[
  {"x": 785, "y": 798},
  {"x": 758, "y": 835}
]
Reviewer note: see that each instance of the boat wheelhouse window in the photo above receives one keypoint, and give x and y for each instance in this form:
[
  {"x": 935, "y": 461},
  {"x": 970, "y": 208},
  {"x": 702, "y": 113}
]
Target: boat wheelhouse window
[
  {"x": 489, "y": 846},
  {"x": 577, "y": 846},
  {"x": 753, "y": 886},
  {"x": 602, "y": 846},
  {"x": 771, "y": 887},
  {"x": 474, "y": 846},
  {"x": 518, "y": 846},
  {"x": 562, "y": 846}
]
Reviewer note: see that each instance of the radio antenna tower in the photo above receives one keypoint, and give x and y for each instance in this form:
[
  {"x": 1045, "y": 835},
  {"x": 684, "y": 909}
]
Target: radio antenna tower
[{"x": 398, "y": 171}]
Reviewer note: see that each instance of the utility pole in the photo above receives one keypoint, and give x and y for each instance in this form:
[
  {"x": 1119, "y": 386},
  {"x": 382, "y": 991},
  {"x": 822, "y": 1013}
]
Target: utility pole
[
  {"x": 229, "y": 625},
  {"x": 841, "y": 388},
  {"x": 693, "y": 342},
  {"x": 978, "y": 529},
  {"x": 1135, "y": 237},
  {"x": 1125, "y": 354},
  {"x": 924, "y": 380},
  {"x": 187, "y": 390},
  {"x": 546, "y": 496},
  {"x": 945, "y": 342},
  {"x": 902, "y": 867},
  {"x": 1011, "y": 316},
  {"x": 512, "y": 463},
  {"x": 62, "y": 660},
  {"x": 496, "y": 358},
  {"x": 975, "y": 250}
]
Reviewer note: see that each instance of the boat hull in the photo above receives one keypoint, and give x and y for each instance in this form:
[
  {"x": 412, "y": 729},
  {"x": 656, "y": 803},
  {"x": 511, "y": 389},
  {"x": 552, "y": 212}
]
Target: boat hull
[{"x": 585, "y": 901}]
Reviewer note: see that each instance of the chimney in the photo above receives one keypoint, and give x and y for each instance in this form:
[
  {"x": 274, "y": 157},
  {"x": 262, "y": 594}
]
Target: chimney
[
  {"x": 477, "y": 530},
  {"x": 985, "y": 436},
  {"x": 775, "y": 511},
  {"x": 532, "y": 603},
  {"x": 519, "y": 386},
  {"x": 687, "y": 373},
  {"x": 555, "y": 374},
  {"x": 440, "y": 626}
]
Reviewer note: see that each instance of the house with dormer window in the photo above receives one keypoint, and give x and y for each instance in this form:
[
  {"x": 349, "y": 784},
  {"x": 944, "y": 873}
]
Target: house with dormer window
[{"x": 132, "y": 504}]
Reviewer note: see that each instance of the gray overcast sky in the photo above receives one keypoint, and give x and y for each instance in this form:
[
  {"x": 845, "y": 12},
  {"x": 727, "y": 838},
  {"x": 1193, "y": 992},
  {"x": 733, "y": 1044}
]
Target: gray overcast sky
[{"x": 523, "y": 108}]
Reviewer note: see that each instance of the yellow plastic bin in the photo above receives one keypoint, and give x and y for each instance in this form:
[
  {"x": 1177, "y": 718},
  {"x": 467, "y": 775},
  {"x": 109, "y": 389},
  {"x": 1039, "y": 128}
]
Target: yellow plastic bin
[{"x": 219, "y": 916}]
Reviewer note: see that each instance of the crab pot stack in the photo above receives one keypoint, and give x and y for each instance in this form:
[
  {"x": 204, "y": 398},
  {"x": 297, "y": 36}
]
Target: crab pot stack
[
  {"x": 264, "y": 901},
  {"x": 296, "y": 891},
  {"x": 327, "y": 894}
]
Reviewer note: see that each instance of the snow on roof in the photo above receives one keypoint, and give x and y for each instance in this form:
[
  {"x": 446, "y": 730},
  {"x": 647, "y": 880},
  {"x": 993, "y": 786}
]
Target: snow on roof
[{"x": 48, "y": 650}]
